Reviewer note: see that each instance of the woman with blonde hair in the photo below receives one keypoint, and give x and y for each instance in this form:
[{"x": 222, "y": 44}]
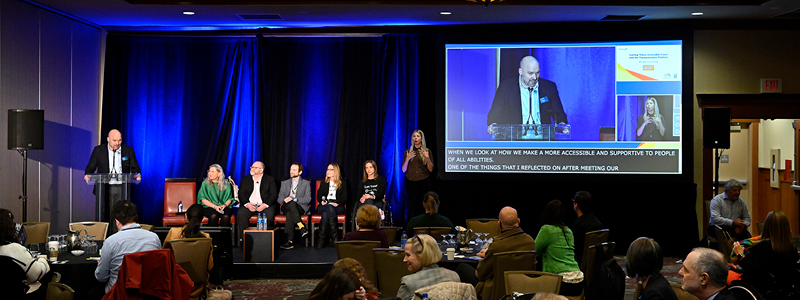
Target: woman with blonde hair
[
  {"x": 355, "y": 266},
  {"x": 417, "y": 165},
  {"x": 368, "y": 227},
  {"x": 332, "y": 197},
  {"x": 421, "y": 255},
  {"x": 216, "y": 196},
  {"x": 651, "y": 123}
]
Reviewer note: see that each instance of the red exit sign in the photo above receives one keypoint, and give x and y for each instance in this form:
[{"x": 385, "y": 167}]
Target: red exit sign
[{"x": 771, "y": 85}]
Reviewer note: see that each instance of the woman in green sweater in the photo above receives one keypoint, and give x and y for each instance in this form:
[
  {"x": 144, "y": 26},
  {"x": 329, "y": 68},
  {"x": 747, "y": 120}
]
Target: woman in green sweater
[
  {"x": 556, "y": 247},
  {"x": 216, "y": 196}
]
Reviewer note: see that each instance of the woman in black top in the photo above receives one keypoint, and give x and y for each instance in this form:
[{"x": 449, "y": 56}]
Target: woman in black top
[
  {"x": 643, "y": 263},
  {"x": 331, "y": 197},
  {"x": 371, "y": 189},
  {"x": 771, "y": 265}
]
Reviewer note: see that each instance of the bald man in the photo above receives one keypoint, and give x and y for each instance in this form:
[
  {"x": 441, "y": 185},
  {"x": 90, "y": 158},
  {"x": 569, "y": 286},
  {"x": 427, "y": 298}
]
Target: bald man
[
  {"x": 257, "y": 194},
  {"x": 704, "y": 274},
  {"x": 512, "y": 238},
  {"x": 112, "y": 157},
  {"x": 527, "y": 99}
]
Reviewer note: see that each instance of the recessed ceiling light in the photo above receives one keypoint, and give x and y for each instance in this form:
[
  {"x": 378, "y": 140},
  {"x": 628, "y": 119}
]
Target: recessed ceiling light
[
  {"x": 445, "y": 13},
  {"x": 188, "y": 13},
  {"x": 697, "y": 14}
]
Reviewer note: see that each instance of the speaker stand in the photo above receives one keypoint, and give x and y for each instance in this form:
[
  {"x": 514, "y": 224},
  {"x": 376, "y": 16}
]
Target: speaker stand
[
  {"x": 24, "y": 196},
  {"x": 716, "y": 170}
]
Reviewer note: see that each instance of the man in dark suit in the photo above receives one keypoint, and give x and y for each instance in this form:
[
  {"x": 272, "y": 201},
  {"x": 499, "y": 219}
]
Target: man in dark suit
[
  {"x": 512, "y": 238},
  {"x": 526, "y": 99},
  {"x": 258, "y": 194},
  {"x": 294, "y": 197},
  {"x": 705, "y": 274},
  {"x": 112, "y": 157}
]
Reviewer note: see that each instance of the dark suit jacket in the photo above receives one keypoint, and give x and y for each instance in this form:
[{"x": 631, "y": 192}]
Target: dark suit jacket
[
  {"x": 583, "y": 224},
  {"x": 507, "y": 108},
  {"x": 341, "y": 192},
  {"x": 302, "y": 196},
  {"x": 725, "y": 294},
  {"x": 269, "y": 193},
  {"x": 510, "y": 240},
  {"x": 98, "y": 162}
]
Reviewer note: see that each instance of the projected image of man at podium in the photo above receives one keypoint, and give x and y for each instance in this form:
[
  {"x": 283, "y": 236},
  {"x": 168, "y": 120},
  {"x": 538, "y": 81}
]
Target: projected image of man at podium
[
  {"x": 112, "y": 157},
  {"x": 527, "y": 99}
]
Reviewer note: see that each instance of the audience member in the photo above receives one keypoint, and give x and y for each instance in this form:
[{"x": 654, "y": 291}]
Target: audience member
[
  {"x": 356, "y": 267},
  {"x": 421, "y": 255},
  {"x": 216, "y": 196},
  {"x": 556, "y": 245},
  {"x": 332, "y": 198},
  {"x": 194, "y": 216},
  {"x": 339, "y": 283},
  {"x": 643, "y": 263},
  {"x": 548, "y": 296},
  {"x": 368, "y": 228},
  {"x": 258, "y": 195},
  {"x": 31, "y": 269},
  {"x": 431, "y": 217},
  {"x": 511, "y": 238},
  {"x": 583, "y": 204},
  {"x": 417, "y": 165},
  {"x": 771, "y": 264},
  {"x": 704, "y": 272},
  {"x": 729, "y": 212},
  {"x": 295, "y": 195},
  {"x": 130, "y": 238}
]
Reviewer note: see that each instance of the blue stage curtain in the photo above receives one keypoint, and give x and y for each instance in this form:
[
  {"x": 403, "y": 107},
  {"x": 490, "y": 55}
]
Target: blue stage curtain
[
  {"x": 182, "y": 104},
  {"x": 629, "y": 110}
]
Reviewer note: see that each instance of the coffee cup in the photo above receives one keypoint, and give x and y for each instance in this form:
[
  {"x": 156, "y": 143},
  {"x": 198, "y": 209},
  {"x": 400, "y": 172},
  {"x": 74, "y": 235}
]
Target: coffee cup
[
  {"x": 451, "y": 253},
  {"x": 52, "y": 246}
]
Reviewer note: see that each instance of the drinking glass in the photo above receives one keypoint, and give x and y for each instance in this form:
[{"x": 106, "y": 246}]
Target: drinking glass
[
  {"x": 34, "y": 250},
  {"x": 443, "y": 244},
  {"x": 452, "y": 241},
  {"x": 62, "y": 243},
  {"x": 478, "y": 239}
]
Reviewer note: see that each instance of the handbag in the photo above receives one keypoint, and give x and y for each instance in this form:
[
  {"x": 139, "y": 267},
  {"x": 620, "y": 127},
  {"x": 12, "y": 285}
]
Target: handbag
[{"x": 219, "y": 293}]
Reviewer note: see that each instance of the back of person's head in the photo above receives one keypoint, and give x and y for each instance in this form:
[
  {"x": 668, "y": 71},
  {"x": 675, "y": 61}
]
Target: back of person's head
[
  {"x": 125, "y": 212},
  {"x": 8, "y": 229},
  {"x": 776, "y": 229},
  {"x": 356, "y": 267},
  {"x": 644, "y": 258},
  {"x": 426, "y": 249},
  {"x": 553, "y": 213},
  {"x": 584, "y": 201},
  {"x": 548, "y": 296},
  {"x": 431, "y": 202},
  {"x": 712, "y": 262},
  {"x": 368, "y": 217},
  {"x": 508, "y": 218},
  {"x": 337, "y": 283},
  {"x": 733, "y": 183},
  {"x": 194, "y": 217}
]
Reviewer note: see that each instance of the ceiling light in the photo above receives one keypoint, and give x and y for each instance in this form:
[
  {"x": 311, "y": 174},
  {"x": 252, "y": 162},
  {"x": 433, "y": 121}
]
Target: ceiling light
[
  {"x": 485, "y": 2},
  {"x": 445, "y": 13},
  {"x": 188, "y": 13},
  {"x": 697, "y": 14}
]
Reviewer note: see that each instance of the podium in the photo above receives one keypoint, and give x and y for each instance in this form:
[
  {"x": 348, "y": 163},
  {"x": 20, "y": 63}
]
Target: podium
[
  {"x": 110, "y": 188},
  {"x": 532, "y": 132}
]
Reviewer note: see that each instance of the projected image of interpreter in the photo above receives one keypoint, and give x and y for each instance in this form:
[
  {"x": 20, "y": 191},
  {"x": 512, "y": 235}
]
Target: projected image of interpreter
[{"x": 646, "y": 118}]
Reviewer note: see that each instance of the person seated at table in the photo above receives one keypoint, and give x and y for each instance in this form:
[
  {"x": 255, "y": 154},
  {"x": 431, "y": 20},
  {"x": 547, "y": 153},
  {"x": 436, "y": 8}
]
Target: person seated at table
[
  {"x": 32, "y": 269},
  {"x": 583, "y": 204},
  {"x": 643, "y": 263},
  {"x": 339, "y": 283},
  {"x": 770, "y": 265},
  {"x": 556, "y": 245},
  {"x": 194, "y": 215},
  {"x": 431, "y": 217},
  {"x": 355, "y": 266},
  {"x": 332, "y": 198},
  {"x": 368, "y": 226},
  {"x": 421, "y": 255},
  {"x": 216, "y": 196}
]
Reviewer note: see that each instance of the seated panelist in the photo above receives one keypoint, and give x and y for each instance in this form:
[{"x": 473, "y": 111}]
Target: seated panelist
[
  {"x": 258, "y": 194},
  {"x": 216, "y": 196}
]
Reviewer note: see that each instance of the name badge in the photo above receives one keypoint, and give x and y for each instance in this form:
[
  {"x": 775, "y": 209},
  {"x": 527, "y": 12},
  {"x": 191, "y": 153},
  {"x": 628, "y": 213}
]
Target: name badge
[{"x": 543, "y": 99}]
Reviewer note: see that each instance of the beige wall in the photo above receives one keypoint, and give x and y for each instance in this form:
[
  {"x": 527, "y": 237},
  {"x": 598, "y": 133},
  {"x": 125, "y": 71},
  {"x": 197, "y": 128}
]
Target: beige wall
[
  {"x": 733, "y": 62},
  {"x": 775, "y": 134}
]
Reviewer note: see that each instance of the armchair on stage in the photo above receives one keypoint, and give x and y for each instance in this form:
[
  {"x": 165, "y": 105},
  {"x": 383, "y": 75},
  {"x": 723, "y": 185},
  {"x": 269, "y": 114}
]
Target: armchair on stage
[
  {"x": 536, "y": 132},
  {"x": 111, "y": 184}
]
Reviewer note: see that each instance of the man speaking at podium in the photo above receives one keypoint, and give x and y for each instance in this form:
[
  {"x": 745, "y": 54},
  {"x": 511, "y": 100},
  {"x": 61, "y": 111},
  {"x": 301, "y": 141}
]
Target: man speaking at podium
[
  {"x": 112, "y": 157},
  {"x": 527, "y": 99}
]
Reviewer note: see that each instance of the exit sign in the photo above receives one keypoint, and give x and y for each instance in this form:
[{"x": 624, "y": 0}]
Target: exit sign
[{"x": 771, "y": 85}]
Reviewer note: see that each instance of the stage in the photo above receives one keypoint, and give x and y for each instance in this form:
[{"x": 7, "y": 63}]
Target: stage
[{"x": 300, "y": 263}]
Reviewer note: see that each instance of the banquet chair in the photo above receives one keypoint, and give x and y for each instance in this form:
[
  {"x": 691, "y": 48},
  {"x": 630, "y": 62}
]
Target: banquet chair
[
  {"x": 192, "y": 255},
  {"x": 391, "y": 234},
  {"x": 97, "y": 229},
  {"x": 391, "y": 268},
  {"x": 510, "y": 261},
  {"x": 489, "y": 226},
  {"x": 435, "y": 232},
  {"x": 37, "y": 232},
  {"x": 724, "y": 242},
  {"x": 527, "y": 282},
  {"x": 147, "y": 227},
  {"x": 59, "y": 291},
  {"x": 360, "y": 251},
  {"x": 592, "y": 238},
  {"x": 11, "y": 278}
]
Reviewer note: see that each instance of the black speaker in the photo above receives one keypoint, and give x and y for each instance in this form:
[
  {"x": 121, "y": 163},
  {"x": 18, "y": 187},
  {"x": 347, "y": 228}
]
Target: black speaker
[
  {"x": 717, "y": 127},
  {"x": 25, "y": 129}
]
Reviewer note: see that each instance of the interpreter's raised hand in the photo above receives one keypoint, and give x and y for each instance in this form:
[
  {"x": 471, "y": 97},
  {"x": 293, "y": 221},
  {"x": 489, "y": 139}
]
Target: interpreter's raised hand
[
  {"x": 426, "y": 154},
  {"x": 411, "y": 154}
]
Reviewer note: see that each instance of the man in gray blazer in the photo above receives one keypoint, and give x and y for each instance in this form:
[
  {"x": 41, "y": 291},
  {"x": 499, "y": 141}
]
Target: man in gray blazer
[{"x": 294, "y": 197}]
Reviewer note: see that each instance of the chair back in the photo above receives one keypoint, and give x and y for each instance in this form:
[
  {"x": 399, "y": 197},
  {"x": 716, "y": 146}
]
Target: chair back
[
  {"x": 760, "y": 226},
  {"x": 360, "y": 251},
  {"x": 56, "y": 277},
  {"x": 447, "y": 290},
  {"x": 743, "y": 290},
  {"x": 37, "y": 232},
  {"x": 147, "y": 227},
  {"x": 97, "y": 229},
  {"x": 527, "y": 282},
  {"x": 391, "y": 268},
  {"x": 724, "y": 242},
  {"x": 489, "y": 226},
  {"x": 593, "y": 262},
  {"x": 391, "y": 234},
  {"x": 11, "y": 278},
  {"x": 511, "y": 261},
  {"x": 192, "y": 255},
  {"x": 59, "y": 291},
  {"x": 435, "y": 232},
  {"x": 592, "y": 238}
]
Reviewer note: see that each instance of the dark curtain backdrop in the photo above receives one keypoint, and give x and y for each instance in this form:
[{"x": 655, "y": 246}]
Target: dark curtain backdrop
[{"x": 186, "y": 103}]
